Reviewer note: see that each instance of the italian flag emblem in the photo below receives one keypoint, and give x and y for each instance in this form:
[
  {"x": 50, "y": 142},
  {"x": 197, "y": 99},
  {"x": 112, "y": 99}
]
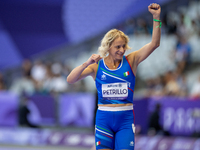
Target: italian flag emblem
[
  {"x": 126, "y": 73},
  {"x": 98, "y": 143}
]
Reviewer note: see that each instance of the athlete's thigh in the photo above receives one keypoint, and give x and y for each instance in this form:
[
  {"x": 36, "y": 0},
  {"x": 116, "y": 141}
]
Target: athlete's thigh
[
  {"x": 104, "y": 137},
  {"x": 124, "y": 139}
]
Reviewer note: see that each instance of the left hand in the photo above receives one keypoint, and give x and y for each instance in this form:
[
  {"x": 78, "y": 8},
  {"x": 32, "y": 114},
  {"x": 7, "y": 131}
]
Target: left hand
[{"x": 155, "y": 10}]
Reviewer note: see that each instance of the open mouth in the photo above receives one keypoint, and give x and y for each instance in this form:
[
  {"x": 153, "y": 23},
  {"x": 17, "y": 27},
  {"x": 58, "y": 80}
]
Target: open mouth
[{"x": 120, "y": 55}]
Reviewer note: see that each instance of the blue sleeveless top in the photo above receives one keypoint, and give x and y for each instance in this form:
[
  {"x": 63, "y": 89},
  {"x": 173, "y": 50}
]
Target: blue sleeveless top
[{"x": 115, "y": 86}]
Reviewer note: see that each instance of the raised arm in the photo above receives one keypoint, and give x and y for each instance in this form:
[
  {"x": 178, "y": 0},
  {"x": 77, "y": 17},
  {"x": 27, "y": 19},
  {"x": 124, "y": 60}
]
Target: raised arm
[
  {"x": 138, "y": 56},
  {"x": 84, "y": 70}
]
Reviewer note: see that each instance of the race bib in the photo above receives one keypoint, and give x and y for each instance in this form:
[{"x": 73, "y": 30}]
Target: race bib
[{"x": 117, "y": 91}]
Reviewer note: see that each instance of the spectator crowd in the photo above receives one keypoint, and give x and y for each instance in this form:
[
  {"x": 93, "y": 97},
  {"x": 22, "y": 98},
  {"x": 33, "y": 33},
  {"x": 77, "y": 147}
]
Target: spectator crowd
[{"x": 46, "y": 77}]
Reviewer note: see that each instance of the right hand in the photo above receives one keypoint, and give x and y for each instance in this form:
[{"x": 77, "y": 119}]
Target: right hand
[{"x": 93, "y": 59}]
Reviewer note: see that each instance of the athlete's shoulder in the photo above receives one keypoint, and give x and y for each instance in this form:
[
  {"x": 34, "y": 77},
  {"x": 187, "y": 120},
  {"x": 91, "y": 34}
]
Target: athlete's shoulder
[
  {"x": 93, "y": 66},
  {"x": 132, "y": 57}
]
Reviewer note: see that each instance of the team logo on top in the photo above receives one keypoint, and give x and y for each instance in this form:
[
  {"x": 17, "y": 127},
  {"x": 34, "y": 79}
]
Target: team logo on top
[
  {"x": 103, "y": 77},
  {"x": 126, "y": 73},
  {"x": 98, "y": 143},
  {"x": 131, "y": 143}
]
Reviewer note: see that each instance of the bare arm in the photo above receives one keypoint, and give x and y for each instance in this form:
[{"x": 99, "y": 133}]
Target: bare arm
[
  {"x": 84, "y": 70},
  {"x": 138, "y": 56}
]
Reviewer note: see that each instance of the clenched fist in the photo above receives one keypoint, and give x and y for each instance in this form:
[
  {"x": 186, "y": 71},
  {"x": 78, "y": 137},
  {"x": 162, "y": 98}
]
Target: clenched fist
[
  {"x": 155, "y": 10},
  {"x": 93, "y": 59}
]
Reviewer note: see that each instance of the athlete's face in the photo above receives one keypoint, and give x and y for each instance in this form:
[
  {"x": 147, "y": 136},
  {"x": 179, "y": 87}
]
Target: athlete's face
[{"x": 117, "y": 48}]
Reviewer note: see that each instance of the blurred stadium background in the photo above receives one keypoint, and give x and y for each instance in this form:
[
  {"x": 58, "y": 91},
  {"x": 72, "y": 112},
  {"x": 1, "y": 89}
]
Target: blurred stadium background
[{"x": 42, "y": 40}]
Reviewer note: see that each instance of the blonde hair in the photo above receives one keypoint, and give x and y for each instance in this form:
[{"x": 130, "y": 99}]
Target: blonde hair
[{"x": 108, "y": 39}]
